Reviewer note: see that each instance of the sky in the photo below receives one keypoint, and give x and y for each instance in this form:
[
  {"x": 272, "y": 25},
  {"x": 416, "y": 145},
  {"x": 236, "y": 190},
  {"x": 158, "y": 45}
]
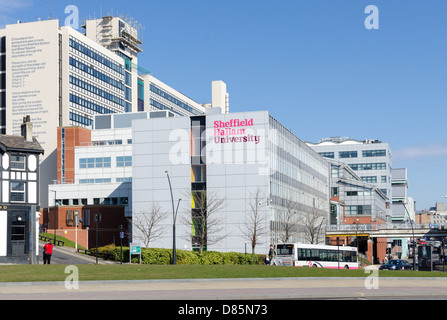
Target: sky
[{"x": 311, "y": 63}]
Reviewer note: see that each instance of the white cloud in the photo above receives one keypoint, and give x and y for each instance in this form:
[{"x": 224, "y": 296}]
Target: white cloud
[{"x": 414, "y": 152}]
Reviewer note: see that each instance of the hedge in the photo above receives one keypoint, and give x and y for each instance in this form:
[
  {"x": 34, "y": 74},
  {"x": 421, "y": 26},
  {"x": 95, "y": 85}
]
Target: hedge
[{"x": 164, "y": 256}]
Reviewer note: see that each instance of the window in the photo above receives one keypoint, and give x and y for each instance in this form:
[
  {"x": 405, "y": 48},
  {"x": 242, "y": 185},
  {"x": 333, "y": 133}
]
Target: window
[
  {"x": 69, "y": 218},
  {"x": 333, "y": 214},
  {"x": 18, "y": 229},
  {"x": 374, "y": 153},
  {"x": 327, "y": 154},
  {"x": 334, "y": 192},
  {"x": 18, "y": 162},
  {"x": 124, "y": 161},
  {"x": 86, "y": 217},
  {"x": 358, "y": 210},
  {"x": 198, "y": 173},
  {"x": 347, "y": 154},
  {"x": 368, "y": 166},
  {"x": 95, "y": 163},
  {"x": 334, "y": 172},
  {"x": 17, "y": 191},
  {"x": 383, "y": 179},
  {"x": 370, "y": 179}
]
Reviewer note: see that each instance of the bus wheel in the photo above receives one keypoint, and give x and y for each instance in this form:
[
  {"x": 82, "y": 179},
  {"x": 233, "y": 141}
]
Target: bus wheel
[
  {"x": 315, "y": 266},
  {"x": 346, "y": 267}
]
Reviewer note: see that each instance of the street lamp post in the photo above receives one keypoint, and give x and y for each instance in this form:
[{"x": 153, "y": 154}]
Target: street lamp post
[
  {"x": 356, "y": 222},
  {"x": 55, "y": 215},
  {"x": 174, "y": 218},
  {"x": 412, "y": 230}
]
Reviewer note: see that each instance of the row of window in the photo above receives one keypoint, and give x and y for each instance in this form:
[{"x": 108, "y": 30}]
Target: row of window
[
  {"x": 96, "y": 56},
  {"x": 90, "y": 181},
  {"x": 105, "y": 162},
  {"x": 97, "y": 74},
  {"x": 105, "y": 180},
  {"x": 80, "y": 119},
  {"x": 358, "y": 193},
  {"x": 354, "y": 154},
  {"x": 373, "y": 179},
  {"x": 96, "y": 201},
  {"x": 97, "y": 91},
  {"x": 177, "y": 102},
  {"x": 326, "y": 255},
  {"x": 161, "y": 106},
  {"x": 358, "y": 210},
  {"x": 89, "y": 105},
  {"x": 368, "y": 166},
  {"x": 110, "y": 142}
]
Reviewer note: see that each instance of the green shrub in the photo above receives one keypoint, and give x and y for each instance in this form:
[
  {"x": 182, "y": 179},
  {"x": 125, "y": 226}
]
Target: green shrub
[{"x": 164, "y": 256}]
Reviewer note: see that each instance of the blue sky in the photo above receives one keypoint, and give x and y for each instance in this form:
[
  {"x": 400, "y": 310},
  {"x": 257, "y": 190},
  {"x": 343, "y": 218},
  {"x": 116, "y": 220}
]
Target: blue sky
[{"x": 311, "y": 63}]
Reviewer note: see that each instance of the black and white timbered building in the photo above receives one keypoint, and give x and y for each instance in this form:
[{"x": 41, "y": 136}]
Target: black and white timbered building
[{"x": 19, "y": 196}]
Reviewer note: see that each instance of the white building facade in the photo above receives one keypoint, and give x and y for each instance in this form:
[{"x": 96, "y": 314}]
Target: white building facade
[
  {"x": 248, "y": 161},
  {"x": 61, "y": 77},
  {"x": 370, "y": 159}
]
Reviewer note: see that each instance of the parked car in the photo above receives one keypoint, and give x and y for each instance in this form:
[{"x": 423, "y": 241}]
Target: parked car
[{"x": 396, "y": 265}]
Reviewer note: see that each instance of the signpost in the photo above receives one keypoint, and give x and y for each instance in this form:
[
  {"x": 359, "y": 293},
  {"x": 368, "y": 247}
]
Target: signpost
[
  {"x": 121, "y": 241},
  {"x": 98, "y": 219},
  {"x": 134, "y": 250}
]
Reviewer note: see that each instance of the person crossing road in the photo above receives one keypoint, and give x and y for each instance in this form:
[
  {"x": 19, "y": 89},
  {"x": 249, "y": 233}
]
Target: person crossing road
[{"x": 47, "y": 252}]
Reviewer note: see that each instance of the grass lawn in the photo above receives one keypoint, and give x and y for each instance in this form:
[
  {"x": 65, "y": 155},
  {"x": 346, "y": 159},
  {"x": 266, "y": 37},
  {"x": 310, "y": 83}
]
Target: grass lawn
[
  {"x": 31, "y": 273},
  {"x": 67, "y": 243}
]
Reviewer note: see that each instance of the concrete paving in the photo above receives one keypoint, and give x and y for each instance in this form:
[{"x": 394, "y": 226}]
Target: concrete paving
[
  {"x": 369, "y": 287},
  {"x": 231, "y": 289}
]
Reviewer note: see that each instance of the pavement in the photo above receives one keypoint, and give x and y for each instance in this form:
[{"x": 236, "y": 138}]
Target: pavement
[
  {"x": 230, "y": 289},
  {"x": 368, "y": 287}
]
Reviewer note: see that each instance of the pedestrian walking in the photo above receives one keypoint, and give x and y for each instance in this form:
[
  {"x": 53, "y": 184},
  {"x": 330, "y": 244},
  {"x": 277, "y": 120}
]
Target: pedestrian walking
[
  {"x": 271, "y": 255},
  {"x": 47, "y": 252}
]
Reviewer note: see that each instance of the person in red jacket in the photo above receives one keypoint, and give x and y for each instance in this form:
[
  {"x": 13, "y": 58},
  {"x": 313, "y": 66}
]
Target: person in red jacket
[{"x": 47, "y": 252}]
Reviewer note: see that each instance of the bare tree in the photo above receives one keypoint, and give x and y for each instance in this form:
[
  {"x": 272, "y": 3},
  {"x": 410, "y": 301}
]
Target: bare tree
[
  {"x": 312, "y": 223},
  {"x": 206, "y": 220},
  {"x": 255, "y": 226},
  {"x": 148, "y": 223},
  {"x": 288, "y": 221}
]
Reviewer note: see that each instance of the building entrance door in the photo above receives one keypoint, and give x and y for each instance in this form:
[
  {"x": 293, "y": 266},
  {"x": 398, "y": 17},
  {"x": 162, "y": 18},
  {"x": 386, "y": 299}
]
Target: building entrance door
[{"x": 18, "y": 234}]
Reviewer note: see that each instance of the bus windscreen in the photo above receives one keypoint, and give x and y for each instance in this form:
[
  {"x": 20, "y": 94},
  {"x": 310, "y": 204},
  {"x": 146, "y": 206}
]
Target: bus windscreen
[{"x": 284, "y": 249}]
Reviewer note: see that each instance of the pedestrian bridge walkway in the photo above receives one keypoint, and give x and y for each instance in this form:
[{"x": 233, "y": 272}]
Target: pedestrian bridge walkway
[{"x": 384, "y": 231}]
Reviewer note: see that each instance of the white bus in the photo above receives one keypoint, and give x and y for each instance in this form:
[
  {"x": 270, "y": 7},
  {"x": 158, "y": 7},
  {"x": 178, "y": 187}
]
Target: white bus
[{"x": 320, "y": 256}]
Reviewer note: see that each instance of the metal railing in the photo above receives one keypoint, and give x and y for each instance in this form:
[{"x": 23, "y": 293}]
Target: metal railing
[{"x": 376, "y": 227}]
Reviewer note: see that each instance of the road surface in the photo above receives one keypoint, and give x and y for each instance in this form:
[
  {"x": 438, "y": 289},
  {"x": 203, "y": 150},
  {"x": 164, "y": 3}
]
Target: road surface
[
  {"x": 232, "y": 289},
  {"x": 63, "y": 255}
]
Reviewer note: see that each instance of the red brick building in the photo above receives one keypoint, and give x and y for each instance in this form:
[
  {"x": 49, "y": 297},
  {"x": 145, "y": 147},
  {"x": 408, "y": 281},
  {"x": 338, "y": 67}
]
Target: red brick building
[{"x": 60, "y": 217}]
